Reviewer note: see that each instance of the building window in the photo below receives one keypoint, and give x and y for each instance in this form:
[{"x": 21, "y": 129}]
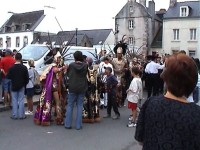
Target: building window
[
  {"x": 131, "y": 41},
  {"x": 17, "y": 41},
  {"x": 131, "y": 25},
  {"x": 8, "y": 42},
  {"x": 1, "y": 42},
  {"x": 8, "y": 28},
  {"x": 192, "y": 53},
  {"x": 193, "y": 34},
  {"x": 176, "y": 34},
  {"x": 131, "y": 8},
  {"x": 184, "y": 11},
  {"x": 25, "y": 41}
]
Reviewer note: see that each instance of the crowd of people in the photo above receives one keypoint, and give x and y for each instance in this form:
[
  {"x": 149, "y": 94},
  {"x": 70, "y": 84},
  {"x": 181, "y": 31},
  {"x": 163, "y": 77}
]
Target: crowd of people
[{"x": 168, "y": 119}]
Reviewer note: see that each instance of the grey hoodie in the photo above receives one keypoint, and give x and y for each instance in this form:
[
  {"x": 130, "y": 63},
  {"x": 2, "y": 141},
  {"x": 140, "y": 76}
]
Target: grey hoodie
[{"x": 77, "y": 73}]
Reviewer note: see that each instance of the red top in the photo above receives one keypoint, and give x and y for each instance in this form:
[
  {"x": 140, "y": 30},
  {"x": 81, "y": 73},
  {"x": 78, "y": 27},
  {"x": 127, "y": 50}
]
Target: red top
[{"x": 6, "y": 63}]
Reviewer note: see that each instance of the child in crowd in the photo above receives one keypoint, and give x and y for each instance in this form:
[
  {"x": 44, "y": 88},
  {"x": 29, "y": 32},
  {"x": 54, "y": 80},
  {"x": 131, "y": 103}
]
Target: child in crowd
[
  {"x": 134, "y": 94},
  {"x": 30, "y": 88},
  {"x": 111, "y": 88}
]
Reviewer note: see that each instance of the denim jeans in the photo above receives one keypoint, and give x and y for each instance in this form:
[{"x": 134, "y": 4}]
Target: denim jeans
[
  {"x": 72, "y": 98},
  {"x": 6, "y": 84},
  {"x": 18, "y": 99}
]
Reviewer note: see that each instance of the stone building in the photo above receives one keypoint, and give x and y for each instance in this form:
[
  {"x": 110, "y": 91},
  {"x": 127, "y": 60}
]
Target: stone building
[{"x": 140, "y": 24}]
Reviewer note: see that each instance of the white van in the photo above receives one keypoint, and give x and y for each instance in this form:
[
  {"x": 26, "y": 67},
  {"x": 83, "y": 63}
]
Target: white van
[{"x": 39, "y": 53}]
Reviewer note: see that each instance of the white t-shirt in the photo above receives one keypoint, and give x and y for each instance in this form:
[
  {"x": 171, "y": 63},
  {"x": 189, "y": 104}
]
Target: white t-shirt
[
  {"x": 135, "y": 90},
  {"x": 102, "y": 66},
  {"x": 153, "y": 67}
]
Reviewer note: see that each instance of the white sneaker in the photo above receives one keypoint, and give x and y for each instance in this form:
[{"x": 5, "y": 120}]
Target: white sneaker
[
  {"x": 132, "y": 124},
  {"x": 28, "y": 112}
]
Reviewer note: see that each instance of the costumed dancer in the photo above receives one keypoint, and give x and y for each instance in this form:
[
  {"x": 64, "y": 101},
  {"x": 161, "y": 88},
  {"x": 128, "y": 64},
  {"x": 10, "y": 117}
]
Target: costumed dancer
[
  {"x": 120, "y": 66},
  {"x": 91, "y": 107},
  {"x": 51, "y": 79}
]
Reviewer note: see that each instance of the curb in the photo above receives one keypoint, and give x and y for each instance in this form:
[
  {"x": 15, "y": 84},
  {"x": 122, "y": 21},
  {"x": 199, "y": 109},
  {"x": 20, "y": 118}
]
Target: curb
[{"x": 6, "y": 108}]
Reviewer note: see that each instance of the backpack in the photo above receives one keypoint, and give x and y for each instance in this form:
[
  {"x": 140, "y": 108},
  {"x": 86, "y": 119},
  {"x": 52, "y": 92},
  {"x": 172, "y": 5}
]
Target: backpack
[{"x": 36, "y": 79}]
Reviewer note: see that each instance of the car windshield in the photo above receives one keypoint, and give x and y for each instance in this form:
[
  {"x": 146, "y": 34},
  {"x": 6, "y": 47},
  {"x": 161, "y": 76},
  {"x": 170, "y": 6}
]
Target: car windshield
[{"x": 34, "y": 52}]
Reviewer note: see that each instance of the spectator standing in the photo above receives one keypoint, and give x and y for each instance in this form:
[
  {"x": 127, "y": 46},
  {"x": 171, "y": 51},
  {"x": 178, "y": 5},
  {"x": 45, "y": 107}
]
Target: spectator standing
[
  {"x": 153, "y": 77},
  {"x": 14, "y": 52},
  {"x": 78, "y": 85},
  {"x": 30, "y": 88},
  {"x": 101, "y": 72},
  {"x": 1, "y": 100},
  {"x": 18, "y": 74},
  {"x": 6, "y": 63},
  {"x": 169, "y": 121},
  {"x": 134, "y": 94}
]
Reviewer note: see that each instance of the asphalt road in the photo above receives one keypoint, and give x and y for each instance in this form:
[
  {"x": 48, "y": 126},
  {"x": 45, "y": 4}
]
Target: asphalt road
[{"x": 107, "y": 135}]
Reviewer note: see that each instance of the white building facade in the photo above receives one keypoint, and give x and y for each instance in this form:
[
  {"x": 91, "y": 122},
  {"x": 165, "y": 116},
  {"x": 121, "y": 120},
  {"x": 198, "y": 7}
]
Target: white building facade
[
  {"x": 22, "y": 29},
  {"x": 181, "y": 28}
]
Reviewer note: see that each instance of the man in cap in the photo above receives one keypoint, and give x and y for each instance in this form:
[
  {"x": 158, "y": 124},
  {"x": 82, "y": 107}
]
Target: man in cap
[
  {"x": 111, "y": 89},
  {"x": 6, "y": 63},
  {"x": 120, "y": 65}
]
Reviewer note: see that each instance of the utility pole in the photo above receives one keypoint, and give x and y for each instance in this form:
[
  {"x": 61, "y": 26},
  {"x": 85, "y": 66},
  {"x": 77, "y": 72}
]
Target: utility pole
[{"x": 76, "y": 36}]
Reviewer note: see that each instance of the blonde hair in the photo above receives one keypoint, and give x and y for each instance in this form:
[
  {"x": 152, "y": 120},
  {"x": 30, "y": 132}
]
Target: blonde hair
[{"x": 31, "y": 62}]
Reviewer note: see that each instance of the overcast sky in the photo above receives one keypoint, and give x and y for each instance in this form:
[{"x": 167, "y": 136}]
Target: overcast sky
[{"x": 71, "y": 14}]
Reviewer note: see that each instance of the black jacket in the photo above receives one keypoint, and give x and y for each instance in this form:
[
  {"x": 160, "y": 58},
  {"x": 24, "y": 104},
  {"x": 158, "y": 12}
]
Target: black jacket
[
  {"x": 77, "y": 74},
  {"x": 18, "y": 74}
]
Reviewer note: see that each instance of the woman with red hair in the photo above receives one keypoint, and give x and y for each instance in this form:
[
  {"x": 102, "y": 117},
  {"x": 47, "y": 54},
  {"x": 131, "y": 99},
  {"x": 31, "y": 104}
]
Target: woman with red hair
[{"x": 169, "y": 121}]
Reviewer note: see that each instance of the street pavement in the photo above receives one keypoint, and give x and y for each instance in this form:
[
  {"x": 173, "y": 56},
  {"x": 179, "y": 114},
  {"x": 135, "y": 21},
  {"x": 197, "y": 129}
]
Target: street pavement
[{"x": 107, "y": 135}]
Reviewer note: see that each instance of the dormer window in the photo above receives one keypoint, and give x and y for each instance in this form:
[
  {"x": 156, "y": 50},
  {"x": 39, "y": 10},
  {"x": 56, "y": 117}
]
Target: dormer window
[
  {"x": 8, "y": 28},
  {"x": 184, "y": 11},
  {"x": 13, "y": 28},
  {"x": 26, "y": 26}
]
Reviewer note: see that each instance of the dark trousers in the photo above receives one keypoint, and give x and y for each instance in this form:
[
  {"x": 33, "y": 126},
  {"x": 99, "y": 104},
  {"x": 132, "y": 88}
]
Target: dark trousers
[
  {"x": 153, "y": 84},
  {"x": 112, "y": 103}
]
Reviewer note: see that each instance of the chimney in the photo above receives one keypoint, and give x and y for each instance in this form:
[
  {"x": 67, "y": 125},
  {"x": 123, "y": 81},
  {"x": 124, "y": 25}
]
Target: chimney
[
  {"x": 172, "y": 3},
  {"x": 143, "y": 2},
  {"x": 152, "y": 8}
]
